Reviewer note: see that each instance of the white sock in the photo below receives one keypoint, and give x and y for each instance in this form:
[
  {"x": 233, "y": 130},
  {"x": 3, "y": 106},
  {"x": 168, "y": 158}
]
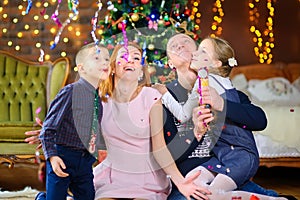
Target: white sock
[
  {"x": 223, "y": 183},
  {"x": 204, "y": 178}
]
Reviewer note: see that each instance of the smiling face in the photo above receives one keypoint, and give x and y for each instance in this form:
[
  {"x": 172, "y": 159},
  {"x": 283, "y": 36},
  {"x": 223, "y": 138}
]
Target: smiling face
[
  {"x": 128, "y": 64},
  {"x": 204, "y": 56}
]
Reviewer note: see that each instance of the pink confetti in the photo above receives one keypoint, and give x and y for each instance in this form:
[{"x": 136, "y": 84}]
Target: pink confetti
[{"x": 38, "y": 110}]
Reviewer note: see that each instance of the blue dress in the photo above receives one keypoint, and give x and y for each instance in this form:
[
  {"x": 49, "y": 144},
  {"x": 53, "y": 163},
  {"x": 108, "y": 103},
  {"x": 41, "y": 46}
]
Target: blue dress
[{"x": 235, "y": 151}]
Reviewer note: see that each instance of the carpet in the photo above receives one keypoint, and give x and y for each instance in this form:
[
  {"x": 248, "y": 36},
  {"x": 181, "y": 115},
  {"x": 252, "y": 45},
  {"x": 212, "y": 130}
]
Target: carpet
[{"x": 26, "y": 194}]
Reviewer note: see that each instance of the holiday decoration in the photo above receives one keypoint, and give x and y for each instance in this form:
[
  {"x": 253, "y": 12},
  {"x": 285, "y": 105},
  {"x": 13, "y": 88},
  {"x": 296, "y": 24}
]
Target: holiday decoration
[{"x": 151, "y": 24}]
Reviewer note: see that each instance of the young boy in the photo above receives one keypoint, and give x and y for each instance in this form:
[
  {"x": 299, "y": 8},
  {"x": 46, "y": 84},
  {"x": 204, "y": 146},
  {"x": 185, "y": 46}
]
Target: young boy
[{"x": 71, "y": 130}]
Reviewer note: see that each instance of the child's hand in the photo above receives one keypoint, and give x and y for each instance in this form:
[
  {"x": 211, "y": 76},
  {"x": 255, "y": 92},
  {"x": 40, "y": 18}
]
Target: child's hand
[
  {"x": 201, "y": 118},
  {"x": 160, "y": 87},
  {"x": 58, "y": 165}
]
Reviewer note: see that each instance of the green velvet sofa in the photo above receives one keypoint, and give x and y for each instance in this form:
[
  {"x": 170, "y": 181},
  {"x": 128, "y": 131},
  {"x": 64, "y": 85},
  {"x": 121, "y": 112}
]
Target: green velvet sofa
[{"x": 27, "y": 88}]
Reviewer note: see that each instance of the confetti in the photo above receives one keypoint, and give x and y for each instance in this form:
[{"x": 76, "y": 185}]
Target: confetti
[
  {"x": 41, "y": 58},
  {"x": 38, "y": 110},
  {"x": 188, "y": 141},
  {"x": 168, "y": 133},
  {"x": 28, "y": 6},
  {"x": 253, "y": 197}
]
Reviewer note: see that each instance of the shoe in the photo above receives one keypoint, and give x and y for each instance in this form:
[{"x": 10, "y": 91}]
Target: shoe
[
  {"x": 40, "y": 196},
  {"x": 255, "y": 188}
]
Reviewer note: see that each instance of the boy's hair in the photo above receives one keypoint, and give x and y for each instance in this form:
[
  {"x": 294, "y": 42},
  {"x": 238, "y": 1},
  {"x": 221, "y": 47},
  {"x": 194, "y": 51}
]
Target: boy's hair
[
  {"x": 108, "y": 85},
  {"x": 83, "y": 52},
  {"x": 223, "y": 51}
]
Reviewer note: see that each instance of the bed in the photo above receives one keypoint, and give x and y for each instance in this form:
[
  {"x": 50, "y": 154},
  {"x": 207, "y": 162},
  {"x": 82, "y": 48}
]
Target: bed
[{"x": 276, "y": 89}]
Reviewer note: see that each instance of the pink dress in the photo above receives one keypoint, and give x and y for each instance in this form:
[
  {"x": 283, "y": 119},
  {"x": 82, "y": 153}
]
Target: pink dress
[{"x": 130, "y": 170}]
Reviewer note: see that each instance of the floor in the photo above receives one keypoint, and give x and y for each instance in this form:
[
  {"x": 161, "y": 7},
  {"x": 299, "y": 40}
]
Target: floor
[{"x": 283, "y": 180}]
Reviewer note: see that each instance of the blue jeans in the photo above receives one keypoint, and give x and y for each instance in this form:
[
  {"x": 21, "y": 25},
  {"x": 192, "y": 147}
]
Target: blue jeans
[
  {"x": 80, "y": 180},
  {"x": 176, "y": 195}
]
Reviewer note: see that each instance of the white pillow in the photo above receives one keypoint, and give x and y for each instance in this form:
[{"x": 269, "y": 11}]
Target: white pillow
[
  {"x": 276, "y": 91},
  {"x": 239, "y": 82}
]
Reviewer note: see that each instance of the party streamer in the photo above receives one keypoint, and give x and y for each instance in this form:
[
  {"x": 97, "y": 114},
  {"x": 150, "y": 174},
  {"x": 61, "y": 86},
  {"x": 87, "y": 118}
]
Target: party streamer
[
  {"x": 94, "y": 23},
  {"x": 125, "y": 40},
  {"x": 54, "y": 16},
  {"x": 28, "y": 6}
]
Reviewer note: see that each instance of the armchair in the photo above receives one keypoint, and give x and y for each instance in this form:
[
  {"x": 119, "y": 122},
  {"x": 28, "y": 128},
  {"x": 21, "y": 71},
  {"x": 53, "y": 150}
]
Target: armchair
[{"x": 25, "y": 88}]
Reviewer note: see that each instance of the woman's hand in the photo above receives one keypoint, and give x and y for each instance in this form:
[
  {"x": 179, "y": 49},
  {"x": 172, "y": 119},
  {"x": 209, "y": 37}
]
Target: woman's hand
[
  {"x": 210, "y": 96},
  {"x": 189, "y": 189},
  {"x": 201, "y": 118},
  {"x": 34, "y": 138},
  {"x": 34, "y": 135}
]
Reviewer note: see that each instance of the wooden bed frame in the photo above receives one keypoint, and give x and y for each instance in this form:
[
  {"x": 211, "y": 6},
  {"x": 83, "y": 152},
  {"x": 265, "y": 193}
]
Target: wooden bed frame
[{"x": 280, "y": 162}]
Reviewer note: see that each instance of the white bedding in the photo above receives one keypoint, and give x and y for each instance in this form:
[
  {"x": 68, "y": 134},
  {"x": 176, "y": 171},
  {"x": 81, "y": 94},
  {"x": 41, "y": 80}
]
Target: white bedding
[
  {"x": 267, "y": 148},
  {"x": 281, "y": 102}
]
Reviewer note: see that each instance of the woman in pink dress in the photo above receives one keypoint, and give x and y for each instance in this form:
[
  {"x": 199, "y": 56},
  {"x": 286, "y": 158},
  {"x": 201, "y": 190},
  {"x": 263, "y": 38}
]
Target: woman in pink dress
[{"x": 138, "y": 164}]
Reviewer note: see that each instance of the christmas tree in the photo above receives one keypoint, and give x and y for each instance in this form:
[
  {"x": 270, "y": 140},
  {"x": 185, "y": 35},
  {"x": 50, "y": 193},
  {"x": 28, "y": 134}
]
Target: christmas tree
[{"x": 150, "y": 23}]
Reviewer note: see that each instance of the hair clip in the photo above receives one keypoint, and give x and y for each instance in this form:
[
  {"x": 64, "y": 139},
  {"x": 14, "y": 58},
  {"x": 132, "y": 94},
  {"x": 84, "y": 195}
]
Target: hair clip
[{"x": 232, "y": 62}]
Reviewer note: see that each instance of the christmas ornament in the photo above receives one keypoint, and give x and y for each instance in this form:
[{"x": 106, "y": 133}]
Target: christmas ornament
[{"x": 135, "y": 17}]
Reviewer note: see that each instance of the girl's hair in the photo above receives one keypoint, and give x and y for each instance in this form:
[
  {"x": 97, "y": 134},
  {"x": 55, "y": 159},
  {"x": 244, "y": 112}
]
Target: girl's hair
[
  {"x": 223, "y": 51},
  {"x": 107, "y": 87}
]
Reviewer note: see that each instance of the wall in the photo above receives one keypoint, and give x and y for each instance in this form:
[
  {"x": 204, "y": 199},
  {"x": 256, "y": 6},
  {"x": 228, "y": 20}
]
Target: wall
[{"x": 235, "y": 29}]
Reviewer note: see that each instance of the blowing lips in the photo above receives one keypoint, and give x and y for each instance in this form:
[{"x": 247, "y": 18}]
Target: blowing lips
[{"x": 106, "y": 70}]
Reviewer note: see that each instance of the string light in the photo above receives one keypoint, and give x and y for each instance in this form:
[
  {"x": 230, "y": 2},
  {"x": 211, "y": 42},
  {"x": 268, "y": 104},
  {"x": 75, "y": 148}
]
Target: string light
[
  {"x": 264, "y": 39},
  {"x": 195, "y": 14},
  {"x": 217, "y": 18}
]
